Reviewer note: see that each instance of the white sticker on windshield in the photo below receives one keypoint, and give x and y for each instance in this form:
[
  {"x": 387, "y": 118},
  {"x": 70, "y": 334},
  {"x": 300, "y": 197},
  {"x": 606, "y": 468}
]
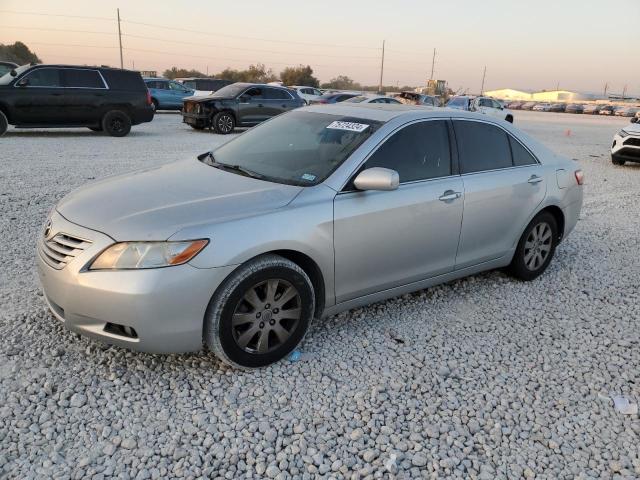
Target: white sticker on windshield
[
  {"x": 309, "y": 177},
  {"x": 350, "y": 126}
]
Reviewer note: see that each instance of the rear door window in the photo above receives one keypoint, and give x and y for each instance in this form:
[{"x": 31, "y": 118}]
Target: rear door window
[
  {"x": 43, "y": 77},
  {"x": 76, "y": 78},
  {"x": 481, "y": 146},
  {"x": 419, "y": 151},
  {"x": 521, "y": 155},
  {"x": 275, "y": 94}
]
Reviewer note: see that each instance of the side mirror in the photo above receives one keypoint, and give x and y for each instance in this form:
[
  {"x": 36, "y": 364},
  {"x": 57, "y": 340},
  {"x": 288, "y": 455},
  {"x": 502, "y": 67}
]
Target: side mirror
[
  {"x": 377, "y": 178},
  {"x": 634, "y": 119},
  {"x": 23, "y": 82}
]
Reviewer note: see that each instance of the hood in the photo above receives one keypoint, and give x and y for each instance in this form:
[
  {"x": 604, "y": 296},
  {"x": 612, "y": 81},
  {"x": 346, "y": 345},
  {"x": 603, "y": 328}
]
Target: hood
[
  {"x": 154, "y": 204},
  {"x": 633, "y": 128},
  {"x": 208, "y": 98}
]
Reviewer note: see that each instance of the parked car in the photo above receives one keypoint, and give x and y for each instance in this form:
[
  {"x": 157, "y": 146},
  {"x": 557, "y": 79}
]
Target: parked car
[
  {"x": 574, "y": 108},
  {"x": 74, "y": 96},
  {"x": 335, "y": 97},
  {"x": 528, "y": 105},
  {"x": 542, "y": 107},
  {"x": 204, "y": 86},
  {"x": 626, "y": 112},
  {"x": 607, "y": 110},
  {"x": 413, "y": 98},
  {"x": 312, "y": 213},
  {"x": 484, "y": 105},
  {"x": 373, "y": 99},
  {"x": 558, "y": 107},
  {"x": 6, "y": 67},
  {"x": 514, "y": 105},
  {"x": 626, "y": 145},
  {"x": 307, "y": 93},
  {"x": 167, "y": 94},
  {"x": 238, "y": 105},
  {"x": 592, "y": 109}
]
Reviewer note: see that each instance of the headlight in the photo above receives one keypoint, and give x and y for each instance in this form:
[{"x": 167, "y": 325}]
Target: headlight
[
  {"x": 623, "y": 133},
  {"x": 139, "y": 255}
]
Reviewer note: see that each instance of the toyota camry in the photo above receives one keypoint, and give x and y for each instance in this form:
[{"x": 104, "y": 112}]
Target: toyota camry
[{"x": 313, "y": 212}]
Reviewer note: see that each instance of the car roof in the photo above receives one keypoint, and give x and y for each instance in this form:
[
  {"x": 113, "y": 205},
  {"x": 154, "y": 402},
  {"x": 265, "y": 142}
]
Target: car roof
[{"x": 384, "y": 112}]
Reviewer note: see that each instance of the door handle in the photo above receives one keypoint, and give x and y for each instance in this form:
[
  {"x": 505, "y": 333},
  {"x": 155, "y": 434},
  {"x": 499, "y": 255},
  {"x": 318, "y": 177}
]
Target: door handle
[
  {"x": 533, "y": 179},
  {"x": 449, "y": 195}
]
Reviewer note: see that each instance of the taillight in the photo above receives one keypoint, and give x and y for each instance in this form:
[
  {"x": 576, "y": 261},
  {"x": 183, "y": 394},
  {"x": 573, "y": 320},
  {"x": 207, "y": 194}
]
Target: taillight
[
  {"x": 579, "y": 177},
  {"x": 149, "y": 101}
]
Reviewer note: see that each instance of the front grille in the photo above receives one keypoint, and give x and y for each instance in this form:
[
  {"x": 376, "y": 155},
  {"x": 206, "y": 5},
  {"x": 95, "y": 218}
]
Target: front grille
[
  {"x": 61, "y": 249},
  {"x": 190, "y": 107},
  {"x": 633, "y": 141}
]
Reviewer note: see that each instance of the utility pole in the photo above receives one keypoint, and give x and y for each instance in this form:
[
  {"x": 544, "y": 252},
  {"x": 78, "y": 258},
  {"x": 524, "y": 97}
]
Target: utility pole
[
  {"x": 606, "y": 87},
  {"x": 381, "y": 68},
  {"x": 484, "y": 73},
  {"x": 120, "y": 39},
  {"x": 433, "y": 63},
  {"x": 624, "y": 92}
]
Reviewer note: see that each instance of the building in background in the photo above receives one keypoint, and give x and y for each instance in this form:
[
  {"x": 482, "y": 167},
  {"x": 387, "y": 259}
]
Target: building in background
[{"x": 541, "y": 96}]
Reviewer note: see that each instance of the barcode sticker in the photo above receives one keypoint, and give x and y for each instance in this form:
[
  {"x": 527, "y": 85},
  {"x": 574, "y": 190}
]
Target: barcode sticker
[{"x": 350, "y": 126}]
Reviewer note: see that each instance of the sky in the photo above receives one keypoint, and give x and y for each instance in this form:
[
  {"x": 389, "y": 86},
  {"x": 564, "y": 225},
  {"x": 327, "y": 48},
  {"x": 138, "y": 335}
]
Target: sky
[{"x": 542, "y": 44}]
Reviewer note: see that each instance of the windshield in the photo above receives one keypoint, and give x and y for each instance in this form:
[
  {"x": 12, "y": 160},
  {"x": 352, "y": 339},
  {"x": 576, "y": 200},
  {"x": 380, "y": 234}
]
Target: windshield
[
  {"x": 7, "y": 78},
  {"x": 297, "y": 148},
  {"x": 457, "y": 102},
  {"x": 232, "y": 90}
]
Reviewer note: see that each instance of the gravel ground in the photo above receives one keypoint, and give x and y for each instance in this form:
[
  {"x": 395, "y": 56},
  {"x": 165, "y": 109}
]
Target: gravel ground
[{"x": 485, "y": 377}]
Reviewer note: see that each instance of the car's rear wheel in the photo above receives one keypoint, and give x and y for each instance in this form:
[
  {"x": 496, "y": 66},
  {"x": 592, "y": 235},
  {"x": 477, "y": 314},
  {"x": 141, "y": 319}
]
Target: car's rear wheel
[
  {"x": 617, "y": 160},
  {"x": 116, "y": 123},
  {"x": 223, "y": 122},
  {"x": 154, "y": 102},
  {"x": 4, "y": 123},
  {"x": 536, "y": 247},
  {"x": 260, "y": 313}
]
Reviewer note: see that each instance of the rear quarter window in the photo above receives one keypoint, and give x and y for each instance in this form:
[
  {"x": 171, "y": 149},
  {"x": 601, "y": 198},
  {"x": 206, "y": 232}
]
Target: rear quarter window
[{"x": 124, "y": 80}]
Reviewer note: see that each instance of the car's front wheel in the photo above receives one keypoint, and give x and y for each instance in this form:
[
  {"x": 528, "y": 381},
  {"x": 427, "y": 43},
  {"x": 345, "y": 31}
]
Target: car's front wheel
[
  {"x": 4, "y": 124},
  {"x": 116, "y": 123},
  {"x": 223, "y": 122},
  {"x": 536, "y": 247},
  {"x": 260, "y": 313}
]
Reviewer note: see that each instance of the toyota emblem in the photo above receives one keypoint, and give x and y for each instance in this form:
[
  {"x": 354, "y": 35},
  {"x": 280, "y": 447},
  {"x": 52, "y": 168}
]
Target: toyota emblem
[{"x": 47, "y": 229}]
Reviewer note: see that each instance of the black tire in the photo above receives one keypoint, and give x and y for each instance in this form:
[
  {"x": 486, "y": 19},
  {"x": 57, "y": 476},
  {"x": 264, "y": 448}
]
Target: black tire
[
  {"x": 197, "y": 127},
  {"x": 509, "y": 118},
  {"x": 154, "y": 102},
  {"x": 223, "y": 122},
  {"x": 526, "y": 264},
  {"x": 226, "y": 339},
  {"x": 617, "y": 160},
  {"x": 116, "y": 123},
  {"x": 4, "y": 124},
  {"x": 95, "y": 129}
]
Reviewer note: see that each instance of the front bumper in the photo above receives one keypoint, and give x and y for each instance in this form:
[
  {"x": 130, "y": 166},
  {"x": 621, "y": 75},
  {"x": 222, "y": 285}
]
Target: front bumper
[
  {"x": 198, "y": 119},
  {"x": 626, "y": 148},
  {"x": 164, "y": 306}
]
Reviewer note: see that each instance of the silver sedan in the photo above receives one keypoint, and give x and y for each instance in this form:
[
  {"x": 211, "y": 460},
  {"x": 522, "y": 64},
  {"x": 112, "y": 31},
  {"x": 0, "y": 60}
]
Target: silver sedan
[{"x": 314, "y": 212}]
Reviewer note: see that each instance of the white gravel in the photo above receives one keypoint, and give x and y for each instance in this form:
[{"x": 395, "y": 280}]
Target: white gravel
[{"x": 483, "y": 378}]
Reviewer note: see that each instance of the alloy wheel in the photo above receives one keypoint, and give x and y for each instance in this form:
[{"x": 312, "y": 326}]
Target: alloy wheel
[
  {"x": 538, "y": 246},
  {"x": 266, "y": 316},
  {"x": 225, "y": 123}
]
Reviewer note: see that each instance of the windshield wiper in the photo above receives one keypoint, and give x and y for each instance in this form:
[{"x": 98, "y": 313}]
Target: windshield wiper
[{"x": 209, "y": 159}]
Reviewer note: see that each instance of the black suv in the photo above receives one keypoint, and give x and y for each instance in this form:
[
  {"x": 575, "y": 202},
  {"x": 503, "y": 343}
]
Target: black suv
[
  {"x": 239, "y": 104},
  {"x": 103, "y": 99}
]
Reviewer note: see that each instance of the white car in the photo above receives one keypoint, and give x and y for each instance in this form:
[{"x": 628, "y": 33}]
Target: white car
[
  {"x": 307, "y": 93},
  {"x": 626, "y": 144},
  {"x": 372, "y": 99},
  {"x": 484, "y": 105}
]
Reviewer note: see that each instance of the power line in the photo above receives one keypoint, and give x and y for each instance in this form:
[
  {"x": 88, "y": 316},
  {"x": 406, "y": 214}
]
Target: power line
[
  {"x": 13, "y": 12},
  {"x": 65, "y": 30}
]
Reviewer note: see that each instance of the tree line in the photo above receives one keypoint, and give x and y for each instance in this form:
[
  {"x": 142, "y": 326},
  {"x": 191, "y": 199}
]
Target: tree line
[{"x": 18, "y": 53}]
